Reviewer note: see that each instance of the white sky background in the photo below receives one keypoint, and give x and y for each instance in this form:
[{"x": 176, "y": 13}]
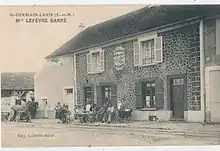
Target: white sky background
[{"x": 24, "y": 46}]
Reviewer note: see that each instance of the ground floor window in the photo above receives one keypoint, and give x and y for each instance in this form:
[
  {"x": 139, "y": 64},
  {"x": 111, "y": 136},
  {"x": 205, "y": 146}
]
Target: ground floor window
[
  {"x": 106, "y": 94},
  {"x": 88, "y": 94},
  {"x": 149, "y": 95}
]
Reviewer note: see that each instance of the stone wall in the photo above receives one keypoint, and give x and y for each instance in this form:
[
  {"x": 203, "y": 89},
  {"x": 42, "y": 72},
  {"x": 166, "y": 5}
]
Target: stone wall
[{"x": 181, "y": 56}]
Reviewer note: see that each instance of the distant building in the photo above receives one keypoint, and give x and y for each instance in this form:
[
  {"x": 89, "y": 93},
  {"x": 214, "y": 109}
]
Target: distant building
[{"x": 15, "y": 85}]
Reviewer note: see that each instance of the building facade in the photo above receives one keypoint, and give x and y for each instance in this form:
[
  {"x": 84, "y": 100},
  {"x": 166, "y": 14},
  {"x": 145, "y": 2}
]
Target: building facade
[
  {"x": 54, "y": 83},
  {"x": 147, "y": 87},
  {"x": 159, "y": 68}
]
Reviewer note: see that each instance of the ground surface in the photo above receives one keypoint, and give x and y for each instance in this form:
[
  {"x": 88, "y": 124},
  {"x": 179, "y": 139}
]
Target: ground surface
[{"x": 52, "y": 134}]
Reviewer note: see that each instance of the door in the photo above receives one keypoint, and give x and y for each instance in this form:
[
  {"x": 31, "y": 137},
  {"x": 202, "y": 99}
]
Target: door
[
  {"x": 88, "y": 94},
  {"x": 214, "y": 95},
  {"x": 106, "y": 94},
  {"x": 177, "y": 97}
]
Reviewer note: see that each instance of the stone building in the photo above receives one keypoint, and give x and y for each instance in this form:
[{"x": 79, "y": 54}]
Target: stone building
[{"x": 162, "y": 61}]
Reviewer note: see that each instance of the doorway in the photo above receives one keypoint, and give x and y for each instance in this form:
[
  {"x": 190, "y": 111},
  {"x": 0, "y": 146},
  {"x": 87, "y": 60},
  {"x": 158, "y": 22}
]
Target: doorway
[
  {"x": 106, "y": 94},
  {"x": 177, "y": 96}
]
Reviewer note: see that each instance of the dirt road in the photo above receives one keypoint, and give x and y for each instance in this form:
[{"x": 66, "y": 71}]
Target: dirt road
[{"x": 26, "y": 135}]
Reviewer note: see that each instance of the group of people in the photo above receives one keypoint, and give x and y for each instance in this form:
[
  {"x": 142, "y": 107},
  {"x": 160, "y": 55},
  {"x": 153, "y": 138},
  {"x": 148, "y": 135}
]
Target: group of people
[
  {"x": 105, "y": 113},
  {"x": 23, "y": 112},
  {"x": 62, "y": 113}
]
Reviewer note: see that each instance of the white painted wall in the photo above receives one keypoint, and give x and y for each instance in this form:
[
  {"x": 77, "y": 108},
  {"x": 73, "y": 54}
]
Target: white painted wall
[{"x": 52, "y": 78}]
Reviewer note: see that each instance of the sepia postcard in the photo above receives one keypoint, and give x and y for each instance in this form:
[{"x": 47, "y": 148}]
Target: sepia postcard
[{"x": 110, "y": 75}]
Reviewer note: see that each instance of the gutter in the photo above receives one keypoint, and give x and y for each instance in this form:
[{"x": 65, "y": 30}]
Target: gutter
[{"x": 128, "y": 36}]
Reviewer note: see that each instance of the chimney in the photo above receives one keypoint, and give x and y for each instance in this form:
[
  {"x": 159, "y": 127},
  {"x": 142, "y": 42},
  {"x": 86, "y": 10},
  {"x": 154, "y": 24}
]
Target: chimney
[{"x": 81, "y": 26}]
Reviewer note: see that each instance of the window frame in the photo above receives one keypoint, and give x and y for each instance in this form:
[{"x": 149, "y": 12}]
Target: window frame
[
  {"x": 65, "y": 89},
  {"x": 142, "y": 51},
  {"x": 151, "y": 94},
  {"x": 86, "y": 93},
  {"x": 145, "y": 37},
  {"x": 106, "y": 89},
  {"x": 101, "y": 62},
  {"x": 16, "y": 102},
  {"x": 95, "y": 61}
]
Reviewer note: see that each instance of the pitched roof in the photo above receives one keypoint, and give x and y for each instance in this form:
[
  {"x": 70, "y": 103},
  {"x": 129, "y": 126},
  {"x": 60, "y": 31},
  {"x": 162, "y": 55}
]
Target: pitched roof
[
  {"x": 17, "y": 81},
  {"x": 135, "y": 22}
]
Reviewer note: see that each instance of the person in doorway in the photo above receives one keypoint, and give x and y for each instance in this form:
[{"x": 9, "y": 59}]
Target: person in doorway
[{"x": 110, "y": 112}]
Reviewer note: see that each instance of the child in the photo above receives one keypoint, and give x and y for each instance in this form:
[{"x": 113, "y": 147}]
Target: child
[{"x": 110, "y": 112}]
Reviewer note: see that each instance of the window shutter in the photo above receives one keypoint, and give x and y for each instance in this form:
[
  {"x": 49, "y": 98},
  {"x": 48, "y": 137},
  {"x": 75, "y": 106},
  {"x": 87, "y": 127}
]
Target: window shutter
[
  {"x": 98, "y": 95},
  {"x": 158, "y": 49},
  {"x": 102, "y": 61},
  {"x": 159, "y": 94},
  {"x": 93, "y": 91},
  {"x": 113, "y": 95},
  {"x": 136, "y": 54},
  {"x": 138, "y": 95},
  {"x": 89, "y": 65}
]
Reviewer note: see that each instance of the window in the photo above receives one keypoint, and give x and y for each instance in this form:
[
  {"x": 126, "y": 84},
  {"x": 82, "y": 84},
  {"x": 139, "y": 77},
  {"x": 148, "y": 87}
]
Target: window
[
  {"x": 17, "y": 102},
  {"x": 149, "y": 95},
  {"x": 107, "y": 94},
  {"x": 178, "y": 82},
  {"x": 69, "y": 91},
  {"x": 148, "y": 52},
  {"x": 88, "y": 93},
  {"x": 119, "y": 58},
  {"x": 95, "y": 61}
]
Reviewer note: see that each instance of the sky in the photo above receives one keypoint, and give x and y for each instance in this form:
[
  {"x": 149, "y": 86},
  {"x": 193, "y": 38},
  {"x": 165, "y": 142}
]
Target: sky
[{"x": 24, "y": 45}]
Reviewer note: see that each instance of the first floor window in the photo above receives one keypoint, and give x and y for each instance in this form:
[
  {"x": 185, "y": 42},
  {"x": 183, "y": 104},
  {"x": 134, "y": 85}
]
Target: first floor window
[
  {"x": 95, "y": 61},
  {"x": 149, "y": 96},
  {"x": 147, "y": 52}
]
